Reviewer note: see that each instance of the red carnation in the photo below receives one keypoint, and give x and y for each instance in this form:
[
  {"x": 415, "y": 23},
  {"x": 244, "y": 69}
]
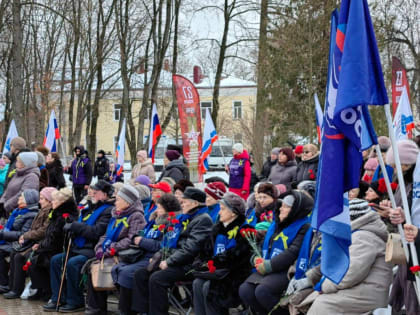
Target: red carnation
[
  {"x": 175, "y": 221},
  {"x": 311, "y": 174},
  {"x": 259, "y": 260},
  {"x": 415, "y": 269},
  {"x": 161, "y": 227},
  {"x": 112, "y": 251},
  {"x": 65, "y": 215},
  {"x": 1, "y": 227},
  {"x": 25, "y": 267},
  {"x": 170, "y": 229},
  {"x": 210, "y": 265},
  {"x": 242, "y": 232},
  {"x": 171, "y": 214},
  {"x": 168, "y": 219},
  {"x": 29, "y": 263},
  {"x": 382, "y": 186},
  {"x": 394, "y": 186}
]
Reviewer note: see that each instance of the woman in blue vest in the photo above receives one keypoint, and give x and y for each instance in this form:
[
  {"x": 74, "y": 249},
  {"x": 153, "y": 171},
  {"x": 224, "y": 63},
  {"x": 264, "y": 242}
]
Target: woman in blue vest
[
  {"x": 150, "y": 243},
  {"x": 127, "y": 219},
  {"x": 230, "y": 253},
  {"x": 214, "y": 192},
  {"x": 158, "y": 190},
  {"x": 85, "y": 233},
  {"x": 263, "y": 289}
]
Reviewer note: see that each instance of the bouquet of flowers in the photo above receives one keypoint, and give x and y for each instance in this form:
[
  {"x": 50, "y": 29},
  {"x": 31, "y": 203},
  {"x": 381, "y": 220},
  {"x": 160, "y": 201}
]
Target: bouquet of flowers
[
  {"x": 165, "y": 229},
  {"x": 250, "y": 235}
]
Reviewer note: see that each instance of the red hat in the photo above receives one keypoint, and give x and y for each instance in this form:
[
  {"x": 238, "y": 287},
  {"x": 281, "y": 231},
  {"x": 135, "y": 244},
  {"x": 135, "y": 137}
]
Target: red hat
[
  {"x": 216, "y": 190},
  {"x": 299, "y": 149},
  {"x": 164, "y": 186}
]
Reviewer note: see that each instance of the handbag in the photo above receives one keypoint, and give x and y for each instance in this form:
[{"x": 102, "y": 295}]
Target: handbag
[
  {"x": 18, "y": 248},
  {"x": 101, "y": 274},
  {"x": 131, "y": 255},
  {"x": 394, "y": 252}
]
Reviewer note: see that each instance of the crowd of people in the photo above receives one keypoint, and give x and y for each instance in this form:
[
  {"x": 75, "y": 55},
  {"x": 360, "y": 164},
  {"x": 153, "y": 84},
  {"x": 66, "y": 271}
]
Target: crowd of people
[{"x": 246, "y": 243}]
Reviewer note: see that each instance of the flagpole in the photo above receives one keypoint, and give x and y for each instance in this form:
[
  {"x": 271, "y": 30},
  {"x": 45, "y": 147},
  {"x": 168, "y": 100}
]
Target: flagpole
[
  {"x": 223, "y": 155},
  {"x": 392, "y": 198},
  {"x": 63, "y": 151},
  {"x": 403, "y": 191}
]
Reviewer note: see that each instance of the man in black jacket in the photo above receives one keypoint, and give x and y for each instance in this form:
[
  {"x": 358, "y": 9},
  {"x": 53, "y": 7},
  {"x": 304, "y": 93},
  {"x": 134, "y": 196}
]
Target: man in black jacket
[
  {"x": 101, "y": 166},
  {"x": 150, "y": 290},
  {"x": 269, "y": 163},
  {"x": 85, "y": 234}
]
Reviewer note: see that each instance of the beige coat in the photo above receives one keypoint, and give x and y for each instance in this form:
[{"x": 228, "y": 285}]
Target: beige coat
[
  {"x": 365, "y": 287},
  {"x": 145, "y": 168}
]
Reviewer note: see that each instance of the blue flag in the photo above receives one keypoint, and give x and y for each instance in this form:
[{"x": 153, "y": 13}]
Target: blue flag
[{"x": 348, "y": 129}]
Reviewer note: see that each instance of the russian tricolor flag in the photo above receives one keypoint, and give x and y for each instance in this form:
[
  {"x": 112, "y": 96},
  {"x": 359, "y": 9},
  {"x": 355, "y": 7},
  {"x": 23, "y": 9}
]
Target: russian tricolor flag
[
  {"x": 120, "y": 152},
  {"x": 210, "y": 136},
  {"x": 155, "y": 132},
  {"x": 52, "y": 134},
  {"x": 319, "y": 117}
]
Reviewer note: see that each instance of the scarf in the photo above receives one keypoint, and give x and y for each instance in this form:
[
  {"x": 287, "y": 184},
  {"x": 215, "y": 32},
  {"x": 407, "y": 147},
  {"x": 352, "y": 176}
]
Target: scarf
[
  {"x": 251, "y": 218},
  {"x": 89, "y": 220},
  {"x": 226, "y": 241},
  {"x": 305, "y": 261},
  {"x": 113, "y": 230},
  {"x": 15, "y": 214},
  {"x": 282, "y": 240},
  {"x": 149, "y": 210}
]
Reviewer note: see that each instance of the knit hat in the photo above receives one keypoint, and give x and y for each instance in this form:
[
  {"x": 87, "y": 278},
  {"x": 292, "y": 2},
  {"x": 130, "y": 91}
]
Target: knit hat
[
  {"x": 407, "y": 150},
  {"x": 371, "y": 164},
  {"x": 268, "y": 189},
  {"x": 299, "y": 149},
  {"x": 103, "y": 186},
  {"x": 117, "y": 186},
  {"x": 235, "y": 203},
  {"x": 195, "y": 194},
  {"x": 142, "y": 180},
  {"x": 288, "y": 152},
  {"x": 29, "y": 159},
  {"x": 384, "y": 143},
  {"x": 289, "y": 200},
  {"x": 174, "y": 147},
  {"x": 142, "y": 153},
  {"x": 47, "y": 193},
  {"x": 31, "y": 197},
  {"x": 169, "y": 202},
  {"x": 182, "y": 184},
  {"x": 63, "y": 194},
  {"x": 2, "y": 162},
  {"x": 216, "y": 190},
  {"x": 164, "y": 186},
  {"x": 358, "y": 207},
  {"x": 172, "y": 155},
  {"x": 41, "y": 158},
  {"x": 101, "y": 152},
  {"x": 19, "y": 143},
  {"x": 144, "y": 191},
  {"x": 275, "y": 151},
  {"x": 238, "y": 147},
  {"x": 128, "y": 193}
]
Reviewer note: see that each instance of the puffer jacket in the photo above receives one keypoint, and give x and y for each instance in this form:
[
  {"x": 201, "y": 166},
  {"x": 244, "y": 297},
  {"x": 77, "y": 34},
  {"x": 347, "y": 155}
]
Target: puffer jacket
[
  {"x": 365, "y": 286},
  {"x": 3, "y": 175},
  {"x": 135, "y": 221},
  {"x": 176, "y": 170},
  {"x": 56, "y": 174},
  {"x": 283, "y": 174},
  {"x": 191, "y": 240},
  {"x": 307, "y": 170},
  {"x": 146, "y": 168},
  {"x": 91, "y": 233},
  {"x": 25, "y": 178}
]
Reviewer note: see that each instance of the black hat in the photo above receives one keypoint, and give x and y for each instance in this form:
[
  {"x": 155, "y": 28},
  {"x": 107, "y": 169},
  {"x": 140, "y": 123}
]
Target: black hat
[
  {"x": 195, "y": 194},
  {"x": 103, "y": 186},
  {"x": 101, "y": 152},
  {"x": 182, "y": 184},
  {"x": 175, "y": 148},
  {"x": 169, "y": 203}
]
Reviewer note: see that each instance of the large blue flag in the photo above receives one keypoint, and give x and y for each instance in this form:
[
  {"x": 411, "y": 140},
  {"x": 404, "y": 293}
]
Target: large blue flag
[{"x": 348, "y": 129}]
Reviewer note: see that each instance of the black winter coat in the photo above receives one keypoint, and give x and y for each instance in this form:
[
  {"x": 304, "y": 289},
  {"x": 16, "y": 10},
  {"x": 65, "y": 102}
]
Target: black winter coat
[
  {"x": 307, "y": 170},
  {"x": 176, "y": 170},
  {"x": 56, "y": 174},
  {"x": 91, "y": 233},
  {"x": 266, "y": 169},
  {"x": 101, "y": 168},
  {"x": 191, "y": 240}
]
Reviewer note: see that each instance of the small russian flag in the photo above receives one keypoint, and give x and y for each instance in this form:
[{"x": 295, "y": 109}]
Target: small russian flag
[
  {"x": 210, "y": 136},
  {"x": 52, "y": 134},
  {"x": 155, "y": 132}
]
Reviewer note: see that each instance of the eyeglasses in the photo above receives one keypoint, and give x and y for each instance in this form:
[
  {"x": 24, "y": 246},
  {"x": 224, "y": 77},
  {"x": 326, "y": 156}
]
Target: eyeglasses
[{"x": 306, "y": 152}]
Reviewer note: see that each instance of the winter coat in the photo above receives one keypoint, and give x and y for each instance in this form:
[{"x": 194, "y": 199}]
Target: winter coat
[
  {"x": 21, "y": 224},
  {"x": 135, "y": 223},
  {"x": 283, "y": 174},
  {"x": 25, "y": 178},
  {"x": 101, "y": 168},
  {"x": 176, "y": 170},
  {"x": 43, "y": 178},
  {"x": 145, "y": 168},
  {"x": 91, "y": 233},
  {"x": 81, "y": 168},
  {"x": 38, "y": 227},
  {"x": 3, "y": 175},
  {"x": 307, "y": 170},
  {"x": 266, "y": 169},
  {"x": 235, "y": 259},
  {"x": 240, "y": 174},
  {"x": 365, "y": 286},
  {"x": 191, "y": 240},
  {"x": 56, "y": 174}
]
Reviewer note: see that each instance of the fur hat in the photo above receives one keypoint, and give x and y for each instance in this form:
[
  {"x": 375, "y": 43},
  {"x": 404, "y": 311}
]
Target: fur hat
[
  {"x": 103, "y": 186},
  {"x": 358, "y": 207},
  {"x": 31, "y": 197},
  {"x": 384, "y": 143},
  {"x": 63, "y": 194},
  {"x": 238, "y": 147},
  {"x": 47, "y": 193},
  {"x": 169, "y": 203},
  {"x": 235, "y": 203},
  {"x": 371, "y": 164},
  {"x": 29, "y": 159},
  {"x": 19, "y": 143},
  {"x": 182, "y": 184},
  {"x": 288, "y": 152},
  {"x": 268, "y": 189},
  {"x": 172, "y": 155},
  {"x": 128, "y": 193},
  {"x": 195, "y": 194},
  {"x": 216, "y": 190},
  {"x": 408, "y": 151}
]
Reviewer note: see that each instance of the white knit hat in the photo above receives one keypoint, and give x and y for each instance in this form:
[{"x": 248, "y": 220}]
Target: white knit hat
[{"x": 238, "y": 147}]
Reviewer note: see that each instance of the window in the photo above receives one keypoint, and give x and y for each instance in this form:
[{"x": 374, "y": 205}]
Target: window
[
  {"x": 204, "y": 106},
  {"x": 237, "y": 109},
  {"x": 117, "y": 112}
]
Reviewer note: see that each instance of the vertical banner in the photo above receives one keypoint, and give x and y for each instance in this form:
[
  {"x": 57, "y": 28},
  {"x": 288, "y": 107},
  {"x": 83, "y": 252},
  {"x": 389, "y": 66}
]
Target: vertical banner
[
  {"x": 190, "y": 121},
  {"x": 399, "y": 81}
]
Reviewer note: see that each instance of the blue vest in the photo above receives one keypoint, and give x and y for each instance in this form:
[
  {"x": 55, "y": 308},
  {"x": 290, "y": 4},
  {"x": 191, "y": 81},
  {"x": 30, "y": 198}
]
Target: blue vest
[
  {"x": 89, "y": 219},
  {"x": 214, "y": 212},
  {"x": 151, "y": 230},
  {"x": 113, "y": 230},
  {"x": 9, "y": 224},
  {"x": 149, "y": 210},
  {"x": 305, "y": 261}
]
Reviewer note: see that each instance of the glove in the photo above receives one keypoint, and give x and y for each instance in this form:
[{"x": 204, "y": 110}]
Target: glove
[
  {"x": 264, "y": 267},
  {"x": 298, "y": 285},
  {"x": 67, "y": 227},
  {"x": 99, "y": 255}
]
